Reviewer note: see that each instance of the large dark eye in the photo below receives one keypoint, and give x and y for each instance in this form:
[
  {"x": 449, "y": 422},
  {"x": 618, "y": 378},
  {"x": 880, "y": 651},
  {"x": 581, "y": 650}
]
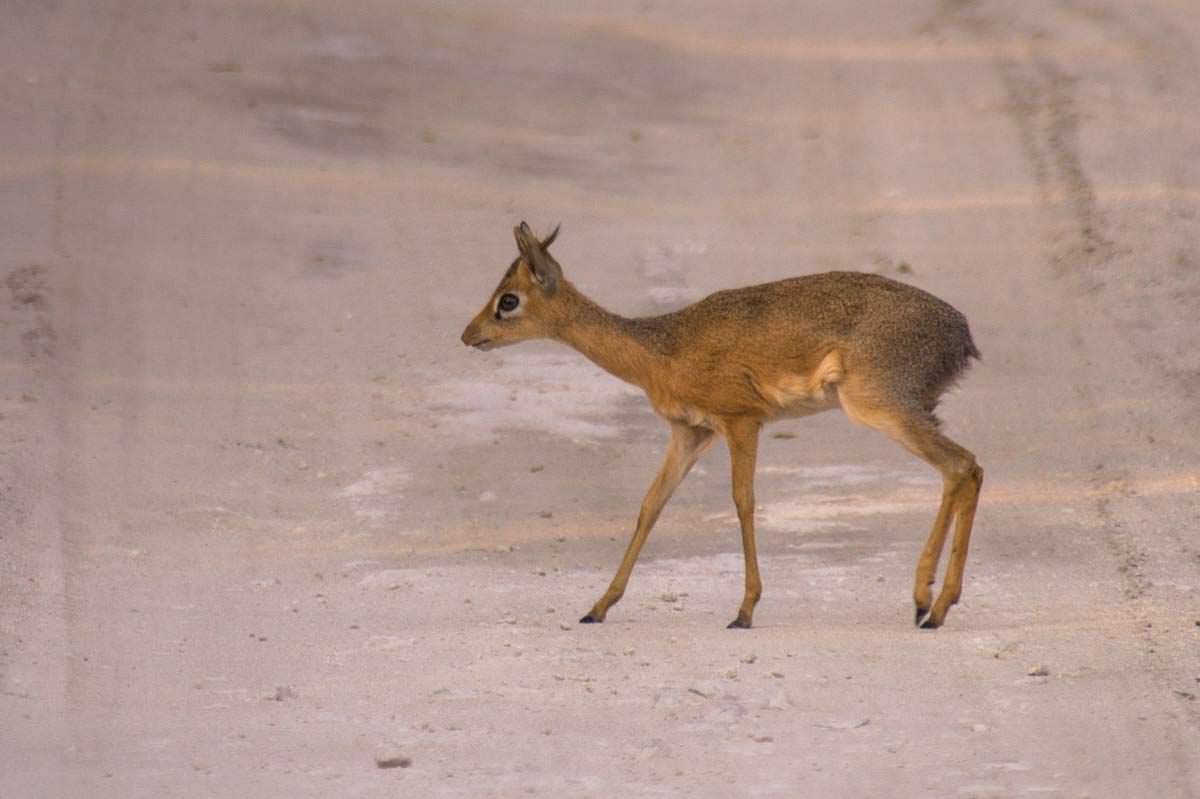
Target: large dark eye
[{"x": 508, "y": 302}]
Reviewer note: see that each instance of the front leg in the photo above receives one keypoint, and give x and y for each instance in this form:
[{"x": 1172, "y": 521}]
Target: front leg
[
  {"x": 742, "y": 437},
  {"x": 685, "y": 446}
]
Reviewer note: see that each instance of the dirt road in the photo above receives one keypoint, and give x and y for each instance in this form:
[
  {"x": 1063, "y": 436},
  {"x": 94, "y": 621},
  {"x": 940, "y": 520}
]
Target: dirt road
[{"x": 266, "y": 524}]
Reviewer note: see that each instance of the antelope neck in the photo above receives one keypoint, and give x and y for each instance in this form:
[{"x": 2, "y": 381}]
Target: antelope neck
[{"x": 631, "y": 349}]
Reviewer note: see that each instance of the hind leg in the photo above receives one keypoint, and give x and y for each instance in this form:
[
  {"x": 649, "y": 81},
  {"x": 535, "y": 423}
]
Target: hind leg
[
  {"x": 966, "y": 502},
  {"x": 928, "y": 562},
  {"x": 961, "y": 480}
]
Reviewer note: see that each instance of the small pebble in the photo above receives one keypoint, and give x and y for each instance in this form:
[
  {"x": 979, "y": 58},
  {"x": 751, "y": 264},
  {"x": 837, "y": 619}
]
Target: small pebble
[
  {"x": 749, "y": 658},
  {"x": 564, "y": 626},
  {"x": 391, "y": 760},
  {"x": 1040, "y": 670}
]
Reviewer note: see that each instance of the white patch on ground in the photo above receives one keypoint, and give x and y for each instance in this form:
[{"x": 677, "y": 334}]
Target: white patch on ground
[
  {"x": 824, "y": 512},
  {"x": 345, "y": 48},
  {"x": 562, "y": 395},
  {"x": 667, "y": 265},
  {"x": 688, "y": 570},
  {"x": 809, "y": 512},
  {"x": 673, "y": 295},
  {"x": 701, "y": 581},
  {"x": 375, "y": 496},
  {"x": 663, "y": 260},
  {"x": 848, "y": 475}
]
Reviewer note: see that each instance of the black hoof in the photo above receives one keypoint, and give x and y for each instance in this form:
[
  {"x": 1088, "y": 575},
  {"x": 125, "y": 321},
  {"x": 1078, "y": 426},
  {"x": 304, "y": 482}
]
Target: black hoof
[
  {"x": 590, "y": 619},
  {"x": 922, "y": 615},
  {"x": 929, "y": 624},
  {"x": 738, "y": 624}
]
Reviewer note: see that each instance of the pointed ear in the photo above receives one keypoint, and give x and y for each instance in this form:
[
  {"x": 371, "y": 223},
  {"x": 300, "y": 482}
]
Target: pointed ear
[
  {"x": 545, "y": 270},
  {"x": 524, "y": 237},
  {"x": 546, "y": 242}
]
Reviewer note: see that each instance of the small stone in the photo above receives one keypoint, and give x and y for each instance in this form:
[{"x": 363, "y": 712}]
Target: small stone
[
  {"x": 564, "y": 626},
  {"x": 283, "y": 692},
  {"x": 1040, "y": 670},
  {"x": 731, "y": 674},
  {"x": 392, "y": 760},
  {"x": 536, "y": 468},
  {"x": 546, "y": 514},
  {"x": 761, "y": 739},
  {"x": 749, "y": 658},
  {"x": 629, "y": 651},
  {"x": 979, "y": 728}
]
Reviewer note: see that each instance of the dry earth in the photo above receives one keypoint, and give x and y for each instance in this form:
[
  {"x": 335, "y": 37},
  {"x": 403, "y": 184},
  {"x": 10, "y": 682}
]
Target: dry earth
[{"x": 265, "y": 522}]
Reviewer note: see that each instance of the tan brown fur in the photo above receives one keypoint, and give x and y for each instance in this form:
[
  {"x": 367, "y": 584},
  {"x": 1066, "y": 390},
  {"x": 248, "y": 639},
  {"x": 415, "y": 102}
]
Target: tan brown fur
[{"x": 883, "y": 351}]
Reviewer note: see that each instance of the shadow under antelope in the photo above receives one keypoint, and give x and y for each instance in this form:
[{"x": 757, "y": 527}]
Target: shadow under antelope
[{"x": 882, "y": 351}]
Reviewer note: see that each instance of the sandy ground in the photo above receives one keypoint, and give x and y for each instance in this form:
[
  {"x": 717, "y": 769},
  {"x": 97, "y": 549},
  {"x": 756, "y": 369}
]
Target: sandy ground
[{"x": 264, "y": 521}]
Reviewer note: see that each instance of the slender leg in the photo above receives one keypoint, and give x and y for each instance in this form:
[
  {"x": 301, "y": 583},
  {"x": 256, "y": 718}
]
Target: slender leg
[
  {"x": 928, "y": 562},
  {"x": 961, "y": 481},
  {"x": 742, "y": 437},
  {"x": 967, "y": 501},
  {"x": 685, "y": 446}
]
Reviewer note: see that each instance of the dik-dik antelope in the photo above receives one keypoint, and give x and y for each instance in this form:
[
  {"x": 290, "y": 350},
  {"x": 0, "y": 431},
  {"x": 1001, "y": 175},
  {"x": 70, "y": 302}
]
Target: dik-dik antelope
[{"x": 882, "y": 351}]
